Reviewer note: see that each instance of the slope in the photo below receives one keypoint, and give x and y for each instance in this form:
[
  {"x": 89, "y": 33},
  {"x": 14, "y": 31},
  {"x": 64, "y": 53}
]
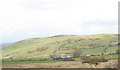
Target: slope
[{"x": 63, "y": 45}]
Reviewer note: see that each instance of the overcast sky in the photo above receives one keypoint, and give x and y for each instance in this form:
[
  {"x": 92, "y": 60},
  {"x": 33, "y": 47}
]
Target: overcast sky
[{"x": 21, "y": 19}]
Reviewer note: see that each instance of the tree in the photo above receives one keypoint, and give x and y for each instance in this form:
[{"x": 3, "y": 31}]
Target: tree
[
  {"x": 77, "y": 53},
  {"x": 118, "y": 51}
]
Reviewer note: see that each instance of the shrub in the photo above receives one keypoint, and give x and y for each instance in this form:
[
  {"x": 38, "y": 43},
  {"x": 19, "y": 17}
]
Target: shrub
[
  {"x": 84, "y": 57},
  {"x": 118, "y": 51},
  {"x": 68, "y": 59},
  {"x": 94, "y": 60},
  {"x": 77, "y": 53},
  {"x": 102, "y": 59}
]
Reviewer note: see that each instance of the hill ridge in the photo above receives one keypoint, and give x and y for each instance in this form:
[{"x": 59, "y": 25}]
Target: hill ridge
[{"x": 65, "y": 43}]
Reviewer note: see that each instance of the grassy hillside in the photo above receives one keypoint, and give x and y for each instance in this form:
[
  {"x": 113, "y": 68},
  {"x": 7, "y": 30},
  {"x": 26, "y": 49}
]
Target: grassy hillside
[{"x": 62, "y": 45}]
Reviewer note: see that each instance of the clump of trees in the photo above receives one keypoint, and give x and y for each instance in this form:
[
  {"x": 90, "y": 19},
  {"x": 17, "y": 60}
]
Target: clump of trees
[
  {"x": 93, "y": 60},
  {"x": 77, "y": 53},
  {"x": 118, "y": 51}
]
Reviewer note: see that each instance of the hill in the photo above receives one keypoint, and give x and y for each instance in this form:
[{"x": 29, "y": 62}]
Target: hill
[{"x": 62, "y": 45}]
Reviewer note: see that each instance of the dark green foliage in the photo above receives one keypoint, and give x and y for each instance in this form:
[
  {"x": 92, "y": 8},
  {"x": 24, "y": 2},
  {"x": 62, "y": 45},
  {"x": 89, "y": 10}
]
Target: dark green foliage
[
  {"x": 93, "y": 60},
  {"x": 118, "y": 51},
  {"x": 68, "y": 59},
  {"x": 77, "y": 53}
]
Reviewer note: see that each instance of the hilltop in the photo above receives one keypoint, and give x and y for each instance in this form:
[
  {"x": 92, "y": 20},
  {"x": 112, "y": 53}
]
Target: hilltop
[{"x": 62, "y": 45}]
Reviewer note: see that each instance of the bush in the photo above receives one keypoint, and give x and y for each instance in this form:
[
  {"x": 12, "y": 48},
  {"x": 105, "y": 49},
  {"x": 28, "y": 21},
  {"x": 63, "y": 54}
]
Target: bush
[
  {"x": 77, "y": 53},
  {"x": 118, "y": 51},
  {"x": 84, "y": 57},
  {"x": 68, "y": 59},
  {"x": 103, "y": 59},
  {"x": 94, "y": 60}
]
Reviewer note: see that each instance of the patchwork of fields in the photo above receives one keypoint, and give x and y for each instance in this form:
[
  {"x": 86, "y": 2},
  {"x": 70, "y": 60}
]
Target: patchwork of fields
[{"x": 105, "y": 45}]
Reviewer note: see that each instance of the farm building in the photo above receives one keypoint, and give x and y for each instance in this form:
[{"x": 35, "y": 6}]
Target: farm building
[
  {"x": 89, "y": 55},
  {"x": 62, "y": 57},
  {"x": 66, "y": 57}
]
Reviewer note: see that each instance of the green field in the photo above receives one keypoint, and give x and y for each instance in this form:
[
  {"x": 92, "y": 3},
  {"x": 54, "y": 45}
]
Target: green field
[
  {"x": 41, "y": 48},
  {"x": 27, "y": 62}
]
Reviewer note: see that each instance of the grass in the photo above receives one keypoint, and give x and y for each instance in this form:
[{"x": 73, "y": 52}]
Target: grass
[
  {"x": 27, "y": 62},
  {"x": 33, "y": 58},
  {"x": 109, "y": 57},
  {"x": 51, "y": 61},
  {"x": 77, "y": 59},
  {"x": 105, "y": 57},
  {"x": 88, "y": 44},
  {"x": 20, "y": 49},
  {"x": 65, "y": 51}
]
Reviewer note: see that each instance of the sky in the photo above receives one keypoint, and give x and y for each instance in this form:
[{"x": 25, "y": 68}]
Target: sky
[{"x": 22, "y": 19}]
